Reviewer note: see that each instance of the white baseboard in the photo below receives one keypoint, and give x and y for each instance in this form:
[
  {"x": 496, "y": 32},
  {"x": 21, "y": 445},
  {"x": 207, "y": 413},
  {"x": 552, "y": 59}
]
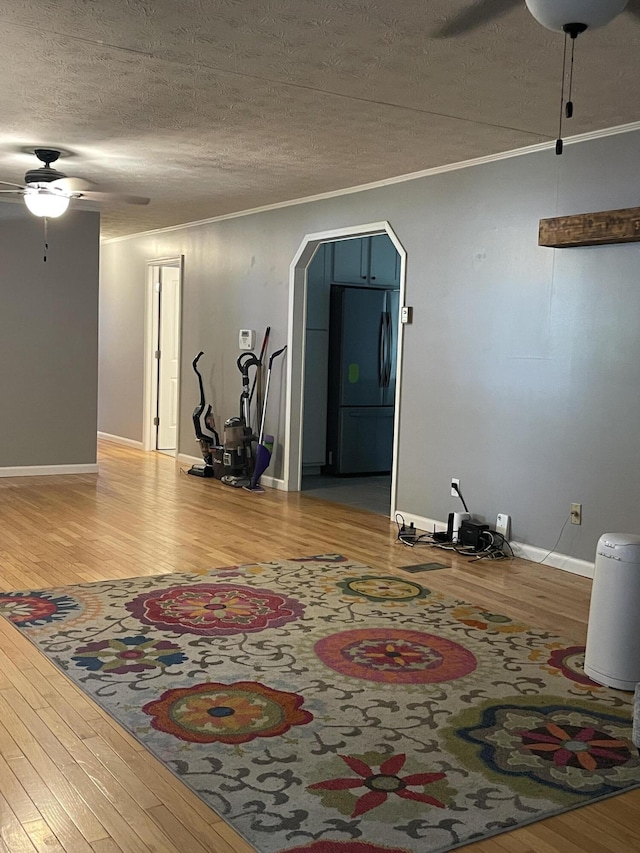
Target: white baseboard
[
  {"x": 422, "y": 523},
  {"x": 46, "y": 470},
  {"x": 120, "y": 439},
  {"x": 520, "y": 549},
  {"x": 188, "y": 460},
  {"x": 271, "y": 482},
  {"x": 557, "y": 561}
]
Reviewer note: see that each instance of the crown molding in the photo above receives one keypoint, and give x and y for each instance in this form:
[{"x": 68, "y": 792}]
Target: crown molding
[{"x": 412, "y": 176}]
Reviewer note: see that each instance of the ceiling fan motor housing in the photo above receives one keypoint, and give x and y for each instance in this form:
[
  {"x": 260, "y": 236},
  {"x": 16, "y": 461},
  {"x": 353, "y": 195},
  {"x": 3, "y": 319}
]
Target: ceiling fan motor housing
[
  {"x": 557, "y": 14},
  {"x": 45, "y": 174},
  {"x": 42, "y": 176}
]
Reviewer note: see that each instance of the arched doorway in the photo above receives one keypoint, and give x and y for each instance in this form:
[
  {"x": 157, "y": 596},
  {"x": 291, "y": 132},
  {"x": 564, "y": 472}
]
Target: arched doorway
[{"x": 297, "y": 344}]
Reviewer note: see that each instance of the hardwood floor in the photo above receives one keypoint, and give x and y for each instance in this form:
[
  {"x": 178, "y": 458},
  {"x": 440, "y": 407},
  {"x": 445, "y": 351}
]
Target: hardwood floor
[{"x": 72, "y": 780}]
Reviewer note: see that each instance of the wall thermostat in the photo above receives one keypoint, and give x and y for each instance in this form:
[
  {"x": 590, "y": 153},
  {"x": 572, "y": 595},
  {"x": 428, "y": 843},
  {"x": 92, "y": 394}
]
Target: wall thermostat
[{"x": 247, "y": 339}]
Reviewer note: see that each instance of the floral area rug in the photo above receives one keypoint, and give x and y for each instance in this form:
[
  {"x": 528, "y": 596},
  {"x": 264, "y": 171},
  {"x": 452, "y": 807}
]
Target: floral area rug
[{"x": 320, "y": 706}]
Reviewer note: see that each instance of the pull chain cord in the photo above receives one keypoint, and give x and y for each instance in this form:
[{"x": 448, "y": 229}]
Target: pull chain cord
[
  {"x": 569, "y": 107},
  {"x": 559, "y": 143},
  {"x": 574, "y": 31},
  {"x": 46, "y": 239}
]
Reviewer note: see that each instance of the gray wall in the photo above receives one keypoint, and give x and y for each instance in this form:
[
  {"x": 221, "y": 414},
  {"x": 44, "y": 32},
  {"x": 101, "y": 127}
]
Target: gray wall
[
  {"x": 521, "y": 368},
  {"x": 48, "y": 338}
]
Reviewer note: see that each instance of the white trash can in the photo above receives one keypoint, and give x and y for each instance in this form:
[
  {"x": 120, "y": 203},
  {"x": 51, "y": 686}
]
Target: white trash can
[{"x": 612, "y": 655}]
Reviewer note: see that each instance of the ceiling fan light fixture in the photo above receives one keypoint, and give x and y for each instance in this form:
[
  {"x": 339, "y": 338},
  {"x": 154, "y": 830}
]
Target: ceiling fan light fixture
[
  {"x": 557, "y": 14},
  {"x": 45, "y": 203}
]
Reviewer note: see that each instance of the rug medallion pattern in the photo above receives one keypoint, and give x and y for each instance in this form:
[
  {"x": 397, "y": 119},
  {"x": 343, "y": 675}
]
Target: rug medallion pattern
[{"x": 320, "y": 706}]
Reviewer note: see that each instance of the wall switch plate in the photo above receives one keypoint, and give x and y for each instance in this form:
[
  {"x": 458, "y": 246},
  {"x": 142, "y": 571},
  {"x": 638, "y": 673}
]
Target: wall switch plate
[
  {"x": 576, "y": 513},
  {"x": 455, "y": 480},
  {"x": 247, "y": 339},
  {"x": 406, "y": 314},
  {"x": 503, "y": 525}
]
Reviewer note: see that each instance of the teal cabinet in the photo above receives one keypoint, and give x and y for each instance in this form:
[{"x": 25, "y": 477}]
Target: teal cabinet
[
  {"x": 373, "y": 261},
  {"x": 384, "y": 261},
  {"x": 350, "y": 261}
]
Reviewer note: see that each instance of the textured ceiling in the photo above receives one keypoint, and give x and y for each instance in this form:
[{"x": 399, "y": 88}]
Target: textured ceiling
[{"x": 215, "y": 106}]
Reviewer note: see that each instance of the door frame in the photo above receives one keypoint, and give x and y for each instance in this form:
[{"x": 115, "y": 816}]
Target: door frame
[
  {"x": 151, "y": 311},
  {"x": 296, "y": 347}
]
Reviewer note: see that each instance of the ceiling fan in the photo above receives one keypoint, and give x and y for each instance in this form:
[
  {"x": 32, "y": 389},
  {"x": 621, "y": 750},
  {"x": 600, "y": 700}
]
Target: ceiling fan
[
  {"x": 47, "y": 192},
  {"x": 553, "y": 14},
  {"x": 571, "y": 17}
]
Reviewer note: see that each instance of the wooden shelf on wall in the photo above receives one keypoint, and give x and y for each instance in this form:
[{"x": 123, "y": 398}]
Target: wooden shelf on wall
[{"x": 591, "y": 229}]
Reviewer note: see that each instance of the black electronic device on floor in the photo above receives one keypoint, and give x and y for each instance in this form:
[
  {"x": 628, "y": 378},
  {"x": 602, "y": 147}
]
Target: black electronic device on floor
[{"x": 473, "y": 535}]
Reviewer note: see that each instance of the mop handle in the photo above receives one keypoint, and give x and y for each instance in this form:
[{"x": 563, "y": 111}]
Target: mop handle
[
  {"x": 263, "y": 349},
  {"x": 266, "y": 392}
]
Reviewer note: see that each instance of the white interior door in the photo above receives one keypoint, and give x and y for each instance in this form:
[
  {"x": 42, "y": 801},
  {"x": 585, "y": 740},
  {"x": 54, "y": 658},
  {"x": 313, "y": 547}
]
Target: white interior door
[{"x": 168, "y": 359}]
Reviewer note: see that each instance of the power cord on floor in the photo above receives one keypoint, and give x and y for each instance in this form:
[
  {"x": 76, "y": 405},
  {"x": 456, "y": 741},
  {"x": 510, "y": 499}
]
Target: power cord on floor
[
  {"x": 493, "y": 545},
  {"x": 406, "y": 535}
]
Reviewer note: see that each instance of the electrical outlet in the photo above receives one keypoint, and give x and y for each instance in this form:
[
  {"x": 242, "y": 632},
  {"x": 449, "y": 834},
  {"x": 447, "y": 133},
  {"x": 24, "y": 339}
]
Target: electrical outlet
[
  {"x": 576, "y": 513},
  {"x": 457, "y": 482},
  {"x": 503, "y": 525}
]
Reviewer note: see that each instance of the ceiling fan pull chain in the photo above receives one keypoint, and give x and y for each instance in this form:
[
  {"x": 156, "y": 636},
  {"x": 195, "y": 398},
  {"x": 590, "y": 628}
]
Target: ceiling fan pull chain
[
  {"x": 569, "y": 106},
  {"x": 46, "y": 238},
  {"x": 559, "y": 143}
]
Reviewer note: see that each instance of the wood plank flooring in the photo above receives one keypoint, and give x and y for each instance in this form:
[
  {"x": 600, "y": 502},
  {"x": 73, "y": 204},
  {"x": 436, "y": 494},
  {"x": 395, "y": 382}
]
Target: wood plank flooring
[{"x": 73, "y": 781}]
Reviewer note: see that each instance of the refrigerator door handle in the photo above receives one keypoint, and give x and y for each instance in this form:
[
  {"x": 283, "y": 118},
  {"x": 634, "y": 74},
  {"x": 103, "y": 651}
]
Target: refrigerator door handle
[
  {"x": 386, "y": 370},
  {"x": 381, "y": 352},
  {"x": 389, "y": 347},
  {"x": 384, "y": 354}
]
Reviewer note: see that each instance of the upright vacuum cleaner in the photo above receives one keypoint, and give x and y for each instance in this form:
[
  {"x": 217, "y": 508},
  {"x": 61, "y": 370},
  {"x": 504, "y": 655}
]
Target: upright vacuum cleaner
[
  {"x": 203, "y": 421},
  {"x": 238, "y": 434}
]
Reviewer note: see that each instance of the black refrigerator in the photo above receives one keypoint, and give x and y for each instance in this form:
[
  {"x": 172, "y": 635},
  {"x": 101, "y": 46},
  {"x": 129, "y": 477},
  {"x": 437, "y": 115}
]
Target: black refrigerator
[{"x": 362, "y": 379}]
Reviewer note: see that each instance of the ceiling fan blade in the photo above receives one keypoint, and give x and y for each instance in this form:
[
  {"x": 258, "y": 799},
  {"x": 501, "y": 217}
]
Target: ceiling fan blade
[
  {"x": 633, "y": 6},
  {"x": 17, "y": 191},
  {"x": 71, "y": 185},
  {"x": 121, "y": 197},
  {"x": 10, "y": 184},
  {"x": 479, "y": 13}
]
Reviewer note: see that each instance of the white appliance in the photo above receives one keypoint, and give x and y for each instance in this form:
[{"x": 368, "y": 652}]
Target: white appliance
[
  {"x": 458, "y": 518},
  {"x": 612, "y": 655}
]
